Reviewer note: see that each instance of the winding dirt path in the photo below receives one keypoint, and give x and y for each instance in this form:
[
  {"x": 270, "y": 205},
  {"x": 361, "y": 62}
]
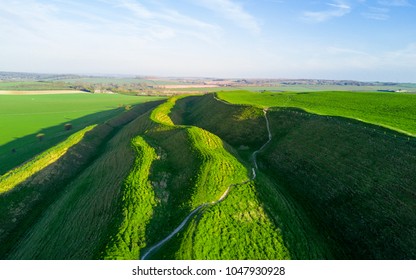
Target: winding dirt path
[{"x": 223, "y": 196}]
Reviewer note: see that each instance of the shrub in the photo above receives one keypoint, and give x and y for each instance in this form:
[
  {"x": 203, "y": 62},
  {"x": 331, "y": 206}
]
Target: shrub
[
  {"x": 40, "y": 136},
  {"x": 68, "y": 126}
]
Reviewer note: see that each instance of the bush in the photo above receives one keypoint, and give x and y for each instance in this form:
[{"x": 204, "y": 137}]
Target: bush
[
  {"x": 68, "y": 126},
  {"x": 40, "y": 136}
]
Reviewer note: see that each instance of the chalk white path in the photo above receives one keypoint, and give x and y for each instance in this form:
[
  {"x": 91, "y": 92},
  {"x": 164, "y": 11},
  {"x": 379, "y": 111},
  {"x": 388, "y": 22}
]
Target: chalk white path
[{"x": 223, "y": 196}]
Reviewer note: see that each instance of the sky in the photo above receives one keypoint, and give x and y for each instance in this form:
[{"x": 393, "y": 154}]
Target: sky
[{"x": 332, "y": 39}]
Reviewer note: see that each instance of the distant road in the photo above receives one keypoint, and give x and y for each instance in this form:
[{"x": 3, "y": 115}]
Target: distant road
[{"x": 38, "y": 92}]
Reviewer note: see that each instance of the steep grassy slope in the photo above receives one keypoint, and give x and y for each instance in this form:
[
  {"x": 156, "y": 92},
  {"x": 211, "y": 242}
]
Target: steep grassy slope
[
  {"x": 157, "y": 193},
  {"x": 339, "y": 188},
  {"x": 392, "y": 110},
  {"x": 114, "y": 205},
  {"x": 235, "y": 229},
  {"x": 245, "y": 128},
  {"x": 18, "y": 175},
  {"x": 137, "y": 202},
  {"x": 217, "y": 172},
  {"x": 355, "y": 182},
  {"x": 234, "y": 124},
  {"x": 53, "y": 213},
  {"x": 325, "y": 187}
]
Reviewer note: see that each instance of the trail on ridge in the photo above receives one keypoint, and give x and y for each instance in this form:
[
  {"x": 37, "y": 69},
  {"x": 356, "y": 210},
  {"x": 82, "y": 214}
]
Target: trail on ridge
[{"x": 203, "y": 206}]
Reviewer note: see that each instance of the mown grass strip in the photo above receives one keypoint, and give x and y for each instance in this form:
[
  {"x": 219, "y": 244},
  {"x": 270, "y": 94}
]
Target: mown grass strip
[
  {"x": 138, "y": 202},
  {"x": 18, "y": 175}
]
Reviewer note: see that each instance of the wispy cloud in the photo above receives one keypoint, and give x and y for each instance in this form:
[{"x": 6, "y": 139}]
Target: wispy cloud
[
  {"x": 336, "y": 9},
  {"x": 233, "y": 11},
  {"x": 169, "y": 20},
  {"x": 397, "y": 3},
  {"x": 377, "y": 13},
  {"x": 117, "y": 35}
]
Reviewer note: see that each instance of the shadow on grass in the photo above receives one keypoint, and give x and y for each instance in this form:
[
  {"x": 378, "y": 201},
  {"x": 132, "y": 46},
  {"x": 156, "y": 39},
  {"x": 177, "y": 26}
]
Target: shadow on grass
[
  {"x": 22, "y": 149},
  {"x": 21, "y": 208}
]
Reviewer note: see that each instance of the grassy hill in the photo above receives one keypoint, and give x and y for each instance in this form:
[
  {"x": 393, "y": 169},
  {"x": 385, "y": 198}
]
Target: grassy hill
[
  {"x": 326, "y": 187},
  {"x": 355, "y": 182},
  {"x": 396, "y": 111},
  {"x": 53, "y": 213},
  {"x": 352, "y": 182}
]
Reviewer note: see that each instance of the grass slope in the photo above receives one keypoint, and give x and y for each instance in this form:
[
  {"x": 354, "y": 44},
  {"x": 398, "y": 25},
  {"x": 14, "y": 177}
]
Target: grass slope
[
  {"x": 17, "y": 175},
  {"x": 337, "y": 188},
  {"x": 218, "y": 170},
  {"x": 355, "y": 182},
  {"x": 245, "y": 128},
  {"x": 138, "y": 202},
  {"x": 214, "y": 169},
  {"x": 234, "y": 124},
  {"x": 392, "y": 110},
  {"x": 235, "y": 229},
  {"x": 156, "y": 194},
  {"x": 67, "y": 210},
  {"x": 327, "y": 187}
]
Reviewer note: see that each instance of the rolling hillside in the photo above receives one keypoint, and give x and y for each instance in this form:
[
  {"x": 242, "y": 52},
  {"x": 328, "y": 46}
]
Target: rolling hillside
[{"x": 178, "y": 179}]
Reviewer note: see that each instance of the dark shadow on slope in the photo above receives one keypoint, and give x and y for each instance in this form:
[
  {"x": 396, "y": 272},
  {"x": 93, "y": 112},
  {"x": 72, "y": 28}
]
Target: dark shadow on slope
[
  {"x": 22, "y": 149},
  {"x": 244, "y": 127},
  {"x": 352, "y": 182},
  {"x": 355, "y": 181},
  {"x": 182, "y": 164},
  {"x": 21, "y": 208},
  {"x": 173, "y": 180}
]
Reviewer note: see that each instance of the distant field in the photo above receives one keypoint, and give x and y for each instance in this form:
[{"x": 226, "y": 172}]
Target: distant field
[
  {"x": 33, "y": 85},
  {"x": 120, "y": 81},
  {"x": 37, "y": 92},
  {"x": 393, "y": 110},
  {"x": 407, "y": 87}
]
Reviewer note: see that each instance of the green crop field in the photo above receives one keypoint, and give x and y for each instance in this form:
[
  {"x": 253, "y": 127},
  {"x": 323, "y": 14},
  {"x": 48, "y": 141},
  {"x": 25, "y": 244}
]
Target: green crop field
[
  {"x": 23, "y": 117},
  {"x": 392, "y": 110}
]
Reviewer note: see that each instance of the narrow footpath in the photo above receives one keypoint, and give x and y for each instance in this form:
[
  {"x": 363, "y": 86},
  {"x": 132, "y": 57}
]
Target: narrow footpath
[{"x": 223, "y": 196}]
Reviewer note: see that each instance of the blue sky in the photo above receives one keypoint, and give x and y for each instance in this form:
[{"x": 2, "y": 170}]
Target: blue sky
[{"x": 333, "y": 39}]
